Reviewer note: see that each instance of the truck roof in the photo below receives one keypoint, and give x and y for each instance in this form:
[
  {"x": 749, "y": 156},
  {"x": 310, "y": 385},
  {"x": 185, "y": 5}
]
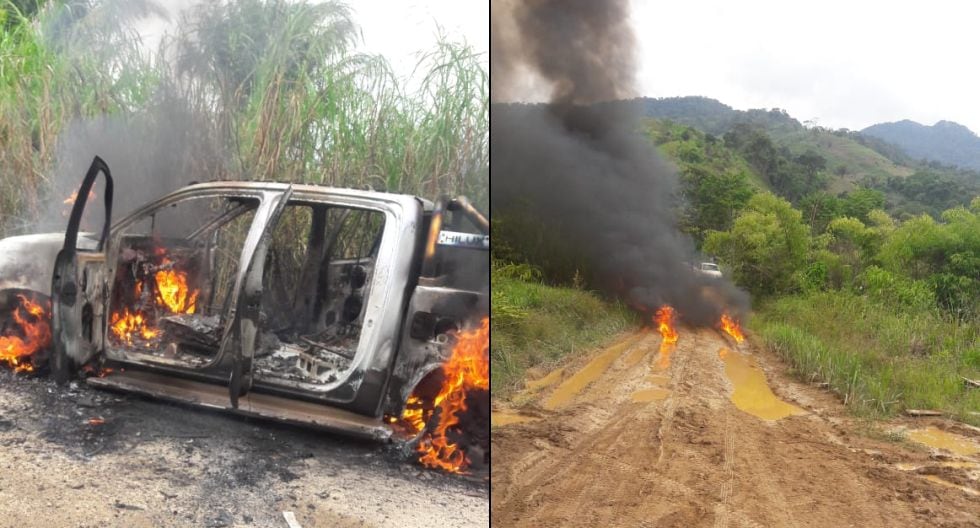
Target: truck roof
[{"x": 302, "y": 188}]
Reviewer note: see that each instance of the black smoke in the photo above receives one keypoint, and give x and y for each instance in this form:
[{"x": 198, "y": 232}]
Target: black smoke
[
  {"x": 576, "y": 172},
  {"x": 153, "y": 142}
]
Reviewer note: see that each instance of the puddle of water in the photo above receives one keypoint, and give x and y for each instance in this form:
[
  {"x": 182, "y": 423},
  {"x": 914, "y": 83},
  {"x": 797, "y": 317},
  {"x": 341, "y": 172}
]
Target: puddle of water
[
  {"x": 649, "y": 395},
  {"x": 940, "y": 439},
  {"x": 547, "y": 381},
  {"x": 502, "y": 418},
  {"x": 589, "y": 373},
  {"x": 752, "y": 393},
  {"x": 937, "y": 480}
]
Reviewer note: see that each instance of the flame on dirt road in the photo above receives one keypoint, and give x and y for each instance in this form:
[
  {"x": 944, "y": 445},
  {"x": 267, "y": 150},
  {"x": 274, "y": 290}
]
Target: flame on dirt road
[
  {"x": 731, "y": 327},
  {"x": 466, "y": 370},
  {"x": 32, "y": 333},
  {"x": 664, "y": 318},
  {"x": 665, "y": 324}
]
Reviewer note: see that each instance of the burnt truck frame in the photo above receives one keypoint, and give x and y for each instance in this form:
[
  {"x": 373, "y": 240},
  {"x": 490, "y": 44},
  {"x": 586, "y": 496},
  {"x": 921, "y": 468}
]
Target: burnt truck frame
[{"x": 402, "y": 301}]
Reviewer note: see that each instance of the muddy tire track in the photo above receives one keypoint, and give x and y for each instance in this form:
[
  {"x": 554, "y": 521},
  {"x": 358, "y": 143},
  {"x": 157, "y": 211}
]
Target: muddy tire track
[{"x": 694, "y": 459}]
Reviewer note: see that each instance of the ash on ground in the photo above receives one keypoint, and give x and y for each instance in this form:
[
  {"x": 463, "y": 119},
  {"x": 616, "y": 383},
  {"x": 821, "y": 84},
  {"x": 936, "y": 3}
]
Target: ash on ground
[{"x": 93, "y": 458}]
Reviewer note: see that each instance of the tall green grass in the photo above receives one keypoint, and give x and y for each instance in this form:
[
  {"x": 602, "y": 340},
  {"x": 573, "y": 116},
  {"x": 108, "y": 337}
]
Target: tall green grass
[
  {"x": 277, "y": 88},
  {"x": 878, "y": 357},
  {"x": 535, "y": 325}
]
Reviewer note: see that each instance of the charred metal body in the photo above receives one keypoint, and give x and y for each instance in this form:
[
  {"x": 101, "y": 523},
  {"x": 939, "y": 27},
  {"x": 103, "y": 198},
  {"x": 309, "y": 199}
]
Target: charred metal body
[{"x": 301, "y": 303}]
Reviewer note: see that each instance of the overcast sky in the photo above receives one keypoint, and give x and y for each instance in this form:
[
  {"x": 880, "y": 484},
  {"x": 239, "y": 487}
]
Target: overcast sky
[
  {"x": 399, "y": 30},
  {"x": 843, "y": 63}
]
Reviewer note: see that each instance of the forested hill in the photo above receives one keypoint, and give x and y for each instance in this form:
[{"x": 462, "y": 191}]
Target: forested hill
[
  {"x": 804, "y": 163},
  {"x": 712, "y": 116},
  {"x": 946, "y": 142},
  {"x": 771, "y": 150}
]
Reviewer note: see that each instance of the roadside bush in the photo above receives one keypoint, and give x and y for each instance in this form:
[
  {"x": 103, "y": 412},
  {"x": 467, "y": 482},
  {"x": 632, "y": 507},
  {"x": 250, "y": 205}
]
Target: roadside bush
[
  {"x": 880, "y": 352},
  {"x": 896, "y": 290},
  {"x": 534, "y": 324},
  {"x": 521, "y": 271},
  {"x": 944, "y": 254}
]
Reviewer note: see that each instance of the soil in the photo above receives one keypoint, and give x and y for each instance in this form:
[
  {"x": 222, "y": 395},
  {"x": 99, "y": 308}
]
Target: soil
[
  {"x": 613, "y": 456},
  {"x": 78, "y": 457}
]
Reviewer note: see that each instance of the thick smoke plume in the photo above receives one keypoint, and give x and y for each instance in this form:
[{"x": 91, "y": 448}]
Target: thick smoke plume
[
  {"x": 580, "y": 167},
  {"x": 152, "y": 146}
]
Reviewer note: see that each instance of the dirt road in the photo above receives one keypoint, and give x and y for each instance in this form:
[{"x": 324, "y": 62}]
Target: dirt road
[
  {"x": 77, "y": 457},
  {"x": 692, "y": 436}
]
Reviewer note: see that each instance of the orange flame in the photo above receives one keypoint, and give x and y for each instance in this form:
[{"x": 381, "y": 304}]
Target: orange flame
[
  {"x": 128, "y": 325},
  {"x": 96, "y": 370},
  {"x": 172, "y": 295},
  {"x": 74, "y": 196},
  {"x": 16, "y": 351},
  {"x": 467, "y": 369},
  {"x": 414, "y": 415},
  {"x": 71, "y": 200},
  {"x": 731, "y": 327},
  {"x": 665, "y": 323}
]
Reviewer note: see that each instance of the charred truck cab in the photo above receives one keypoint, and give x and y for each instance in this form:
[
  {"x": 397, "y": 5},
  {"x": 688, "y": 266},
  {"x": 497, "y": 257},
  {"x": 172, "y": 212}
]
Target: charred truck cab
[{"x": 312, "y": 305}]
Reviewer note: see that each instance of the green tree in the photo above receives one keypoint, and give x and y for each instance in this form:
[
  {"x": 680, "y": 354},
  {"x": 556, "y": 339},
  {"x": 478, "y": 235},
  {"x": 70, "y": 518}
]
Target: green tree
[
  {"x": 716, "y": 182},
  {"x": 859, "y": 202},
  {"x": 853, "y": 242},
  {"x": 819, "y": 209},
  {"x": 789, "y": 176},
  {"x": 812, "y": 164},
  {"x": 714, "y": 198},
  {"x": 946, "y": 254},
  {"x": 766, "y": 247}
]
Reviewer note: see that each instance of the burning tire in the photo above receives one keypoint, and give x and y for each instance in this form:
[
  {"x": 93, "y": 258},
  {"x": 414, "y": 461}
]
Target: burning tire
[{"x": 446, "y": 419}]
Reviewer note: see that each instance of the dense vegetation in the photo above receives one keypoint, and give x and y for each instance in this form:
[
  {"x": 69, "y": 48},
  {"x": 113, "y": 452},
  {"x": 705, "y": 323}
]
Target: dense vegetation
[
  {"x": 714, "y": 117},
  {"x": 796, "y": 160},
  {"x": 535, "y": 325},
  {"x": 864, "y": 265},
  {"x": 255, "y": 89}
]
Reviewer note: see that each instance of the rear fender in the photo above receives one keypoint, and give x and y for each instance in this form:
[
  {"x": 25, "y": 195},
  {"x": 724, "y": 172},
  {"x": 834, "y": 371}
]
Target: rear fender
[{"x": 434, "y": 313}]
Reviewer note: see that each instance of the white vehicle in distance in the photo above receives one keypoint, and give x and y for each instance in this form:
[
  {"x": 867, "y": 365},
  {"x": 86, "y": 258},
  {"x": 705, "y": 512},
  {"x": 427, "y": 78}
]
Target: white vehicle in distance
[{"x": 709, "y": 268}]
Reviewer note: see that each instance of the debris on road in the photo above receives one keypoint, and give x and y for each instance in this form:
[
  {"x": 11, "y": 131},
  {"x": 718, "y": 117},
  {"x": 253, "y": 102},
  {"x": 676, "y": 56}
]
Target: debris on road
[
  {"x": 291, "y": 519},
  {"x": 140, "y": 468},
  {"x": 922, "y": 412},
  {"x": 124, "y": 506}
]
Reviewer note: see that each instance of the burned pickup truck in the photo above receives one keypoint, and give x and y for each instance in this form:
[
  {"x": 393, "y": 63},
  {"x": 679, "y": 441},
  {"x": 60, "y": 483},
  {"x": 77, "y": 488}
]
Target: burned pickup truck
[{"x": 311, "y": 305}]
